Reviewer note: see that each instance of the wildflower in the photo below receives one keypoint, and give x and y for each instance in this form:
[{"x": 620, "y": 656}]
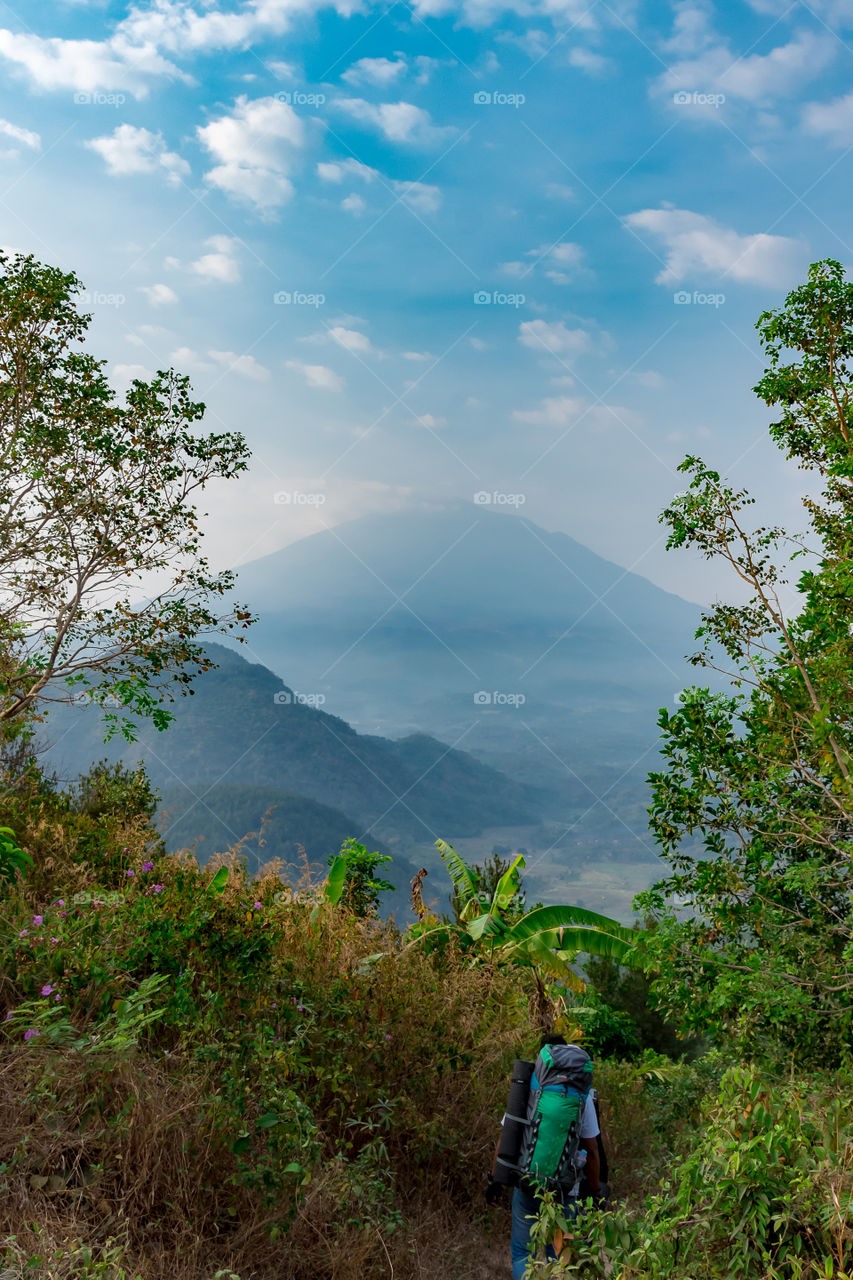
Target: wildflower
[
  {"x": 10, "y": 1015},
  {"x": 157, "y": 888},
  {"x": 387, "y": 1037},
  {"x": 60, "y": 902},
  {"x": 38, "y": 919},
  {"x": 30, "y": 1032},
  {"x": 23, "y": 933},
  {"x": 148, "y": 866},
  {"x": 301, "y": 1008},
  {"x": 258, "y": 906},
  {"x": 54, "y": 939},
  {"x": 63, "y": 914},
  {"x": 47, "y": 989},
  {"x": 130, "y": 873}
]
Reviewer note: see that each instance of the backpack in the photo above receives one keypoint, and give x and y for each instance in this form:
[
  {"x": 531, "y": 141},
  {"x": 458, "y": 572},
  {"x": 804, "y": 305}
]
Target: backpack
[{"x": 559, "y": 1089}]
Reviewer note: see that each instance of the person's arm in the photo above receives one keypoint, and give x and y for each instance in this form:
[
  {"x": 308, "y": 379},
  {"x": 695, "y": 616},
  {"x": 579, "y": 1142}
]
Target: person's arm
[{"x": 592, "y": 1168}]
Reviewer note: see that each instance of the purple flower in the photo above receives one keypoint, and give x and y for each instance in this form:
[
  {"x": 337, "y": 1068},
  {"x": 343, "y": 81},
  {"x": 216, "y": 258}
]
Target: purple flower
[
  {"x": 60, "y": 902},
  {"x": 158, "y": 888},
  {"x": 10, "y": 1015},
  {"x": 63, "y": 914},
  {"x": 56, "y": 998},
  {"x": 23, "y": 933},
  {"x": 54, "y": 939},
  {"x": 301, "y": 1008},
  {"x": 258, "y": 906},
  {"x": 130, "y": 873},
  {"x": 47, "y": 989},
  {"x": 29, "y": 1033},
  {"x": 148, "y": 866},
  {"x": 38, "y": 919}
]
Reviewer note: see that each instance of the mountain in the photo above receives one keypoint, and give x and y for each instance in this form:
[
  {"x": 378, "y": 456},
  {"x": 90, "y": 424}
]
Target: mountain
[
  {"x": 243, "y": 742},
  {"x": 522, "y": 646}
]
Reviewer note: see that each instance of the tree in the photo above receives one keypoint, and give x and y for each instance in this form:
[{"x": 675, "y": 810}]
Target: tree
[
  {"x": 755, "y": 935},
  {"x": 545, "y": 941},
  {"x": 96, "y": 500},
  {"x": 352, "y": 878},
  {"x": 487, "y": 875}
]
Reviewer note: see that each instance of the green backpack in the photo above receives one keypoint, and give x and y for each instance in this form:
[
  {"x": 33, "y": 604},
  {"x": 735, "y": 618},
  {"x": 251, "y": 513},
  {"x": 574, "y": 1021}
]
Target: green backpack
[{"x": 560, "y": 1085}]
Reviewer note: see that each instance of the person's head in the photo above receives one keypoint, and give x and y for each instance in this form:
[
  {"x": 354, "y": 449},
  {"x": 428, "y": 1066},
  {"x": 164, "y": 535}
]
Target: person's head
[{"x": 552, "y": 1040}]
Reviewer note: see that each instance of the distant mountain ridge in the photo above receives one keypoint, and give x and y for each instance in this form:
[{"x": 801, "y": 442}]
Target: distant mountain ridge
[{"x": 244, "y": 728}]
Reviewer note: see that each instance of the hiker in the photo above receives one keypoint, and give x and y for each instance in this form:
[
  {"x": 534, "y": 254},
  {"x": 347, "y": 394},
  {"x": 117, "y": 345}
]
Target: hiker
[{"x": 573, "y": 1154}]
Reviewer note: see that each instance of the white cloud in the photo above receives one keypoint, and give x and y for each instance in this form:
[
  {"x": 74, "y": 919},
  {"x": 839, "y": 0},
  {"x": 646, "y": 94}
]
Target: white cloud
[
  {"x": 124, "y": 374},
  {"x": 246, "y": 366},
  {"x": 834, "y": 120},
  {"x": 184, "y": 358},
  {"x": 354, "y": 203},
  {"x": 377, "y": 71},
  {"x": 430, "y": 421},
  {"x": 254, "y": 148},
  {"x": 158, "y": 294},
  {"x": 26, "y": 136},
  {"x": 317, "y": 375},
  {"x": 695, "y": 243},
  {"x": 553, "y": 336},
  {"x": 350, "y": 339},
  {"x": 129, "y": 149},
  {"x": 566, "y": 411},
  {"x": 397, "y": 121},
  {"x": 756, "y": 77},
  {"x": 220, "y": 263},
  {"x": 417, "y": 355},
  {"x": 420, "y": 196},
  {"x": 556, "y": 411},
  {"x": 86, "y": 66},
  {"x": 337, "y": 170},
  {"x": 587, "y": 60}
]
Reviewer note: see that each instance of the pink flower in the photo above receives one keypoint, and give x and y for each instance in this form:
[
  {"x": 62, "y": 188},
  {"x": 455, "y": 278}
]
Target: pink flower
[
  {"x": 63, "y": 914},
  {"x": 23, "y": 933},
  {"x": 258, "y": 906},
  {"x": 54, "y": 939},
  {"x": 47, "y": 989},
  {"x": 29, "y": 1033},
  {"x": 387, "y": 1037},
  {"x": 60, "y": 902},
  {"x": 38, "y": 919}
]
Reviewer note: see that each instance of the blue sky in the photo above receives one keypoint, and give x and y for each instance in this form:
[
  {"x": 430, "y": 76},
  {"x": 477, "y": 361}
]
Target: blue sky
[{"x": 422, "y": 252}]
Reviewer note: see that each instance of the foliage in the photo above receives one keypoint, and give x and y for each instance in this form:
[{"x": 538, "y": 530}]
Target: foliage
[
  {"x": 252, "y": 1079},
  {"x": 765, "y": 1193},
  {"x": 13, "y": 859},
  {"x": 360, "y": 887},
  {"x": 545, "y": 941},
  {"x": 755, "y": 940},
  {"x": 95, "y": 497},
  {"x": 487, "y": 876}
]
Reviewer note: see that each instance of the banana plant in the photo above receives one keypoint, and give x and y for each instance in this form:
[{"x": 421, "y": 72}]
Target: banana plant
[{"x": 547, "y": 939}]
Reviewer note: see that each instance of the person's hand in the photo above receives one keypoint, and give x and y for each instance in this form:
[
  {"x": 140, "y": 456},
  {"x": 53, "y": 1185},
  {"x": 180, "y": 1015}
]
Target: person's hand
[{"x": 494, "y": 1192}]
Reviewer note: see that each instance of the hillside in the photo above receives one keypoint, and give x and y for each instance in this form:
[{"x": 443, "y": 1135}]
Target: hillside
[{"x": 243, "y": 728}]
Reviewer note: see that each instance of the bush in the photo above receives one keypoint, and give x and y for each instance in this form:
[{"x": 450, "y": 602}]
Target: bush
[
  {"x": 218, "y": 1073},
  {"x": 762, "y": 1191}
]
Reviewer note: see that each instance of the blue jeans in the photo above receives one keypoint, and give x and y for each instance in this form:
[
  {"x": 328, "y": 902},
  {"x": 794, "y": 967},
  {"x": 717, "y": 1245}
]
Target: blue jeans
[{"x": 525, "y": 1207}]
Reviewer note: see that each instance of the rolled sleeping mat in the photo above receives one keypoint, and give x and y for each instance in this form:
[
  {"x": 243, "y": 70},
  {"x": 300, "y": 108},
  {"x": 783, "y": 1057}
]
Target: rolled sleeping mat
[{"x": 515, "y": 1121}]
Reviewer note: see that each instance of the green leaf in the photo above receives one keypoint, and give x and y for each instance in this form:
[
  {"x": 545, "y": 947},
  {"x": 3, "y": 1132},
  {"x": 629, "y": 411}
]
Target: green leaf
[
  {"x": 219, "y": 881},
  {"x": 269, "y": 1121},
  {"x": 336, "y": 879},
  {"x": 464, "y": 879}
]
